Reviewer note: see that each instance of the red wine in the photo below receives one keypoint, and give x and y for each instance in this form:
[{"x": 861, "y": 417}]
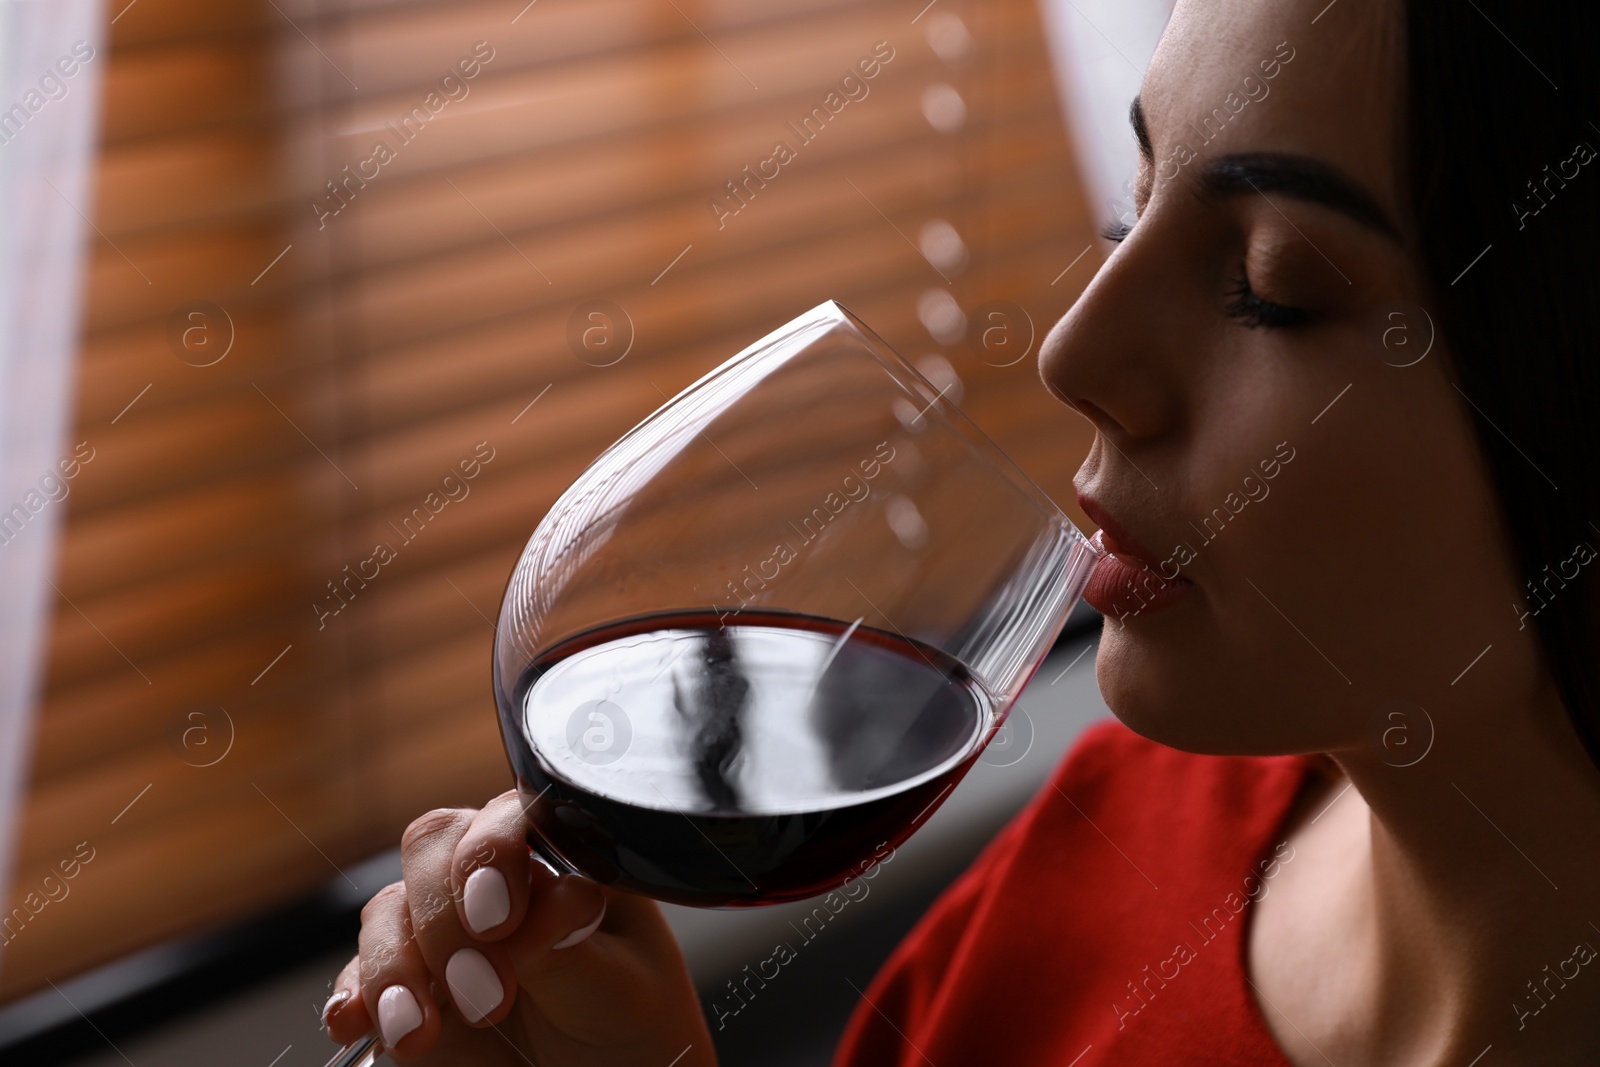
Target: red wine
[{"x": 755, "y": 759}]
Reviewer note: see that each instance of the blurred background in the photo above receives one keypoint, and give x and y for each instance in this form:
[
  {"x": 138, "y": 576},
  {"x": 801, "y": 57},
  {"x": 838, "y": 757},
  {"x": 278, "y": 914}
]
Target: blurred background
[{"x": 275, "y": 267}]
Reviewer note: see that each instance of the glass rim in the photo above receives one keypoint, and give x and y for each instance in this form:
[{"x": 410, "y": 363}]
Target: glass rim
[{"x": 901, "y": 368}]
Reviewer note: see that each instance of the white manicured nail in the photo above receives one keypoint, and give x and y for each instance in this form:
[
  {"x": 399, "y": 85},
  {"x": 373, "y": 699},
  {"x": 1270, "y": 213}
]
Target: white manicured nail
[
  {"x": 487, "y": 899},
  {"x": 579, "y": 934},
  {"x": 474, "y": 984},
  {"x": 398, "y": 1014}
]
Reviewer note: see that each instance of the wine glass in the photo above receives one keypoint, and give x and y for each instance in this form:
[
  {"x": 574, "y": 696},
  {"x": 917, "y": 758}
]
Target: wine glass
[
  {"x": 768, "y": 630},
  {"x": 764, "y": 635}
]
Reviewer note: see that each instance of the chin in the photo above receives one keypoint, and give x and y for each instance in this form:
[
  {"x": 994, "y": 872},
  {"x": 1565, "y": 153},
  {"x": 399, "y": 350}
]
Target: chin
[
  {"x": 1198, "y": 701},
  {"x": 1137, "y": 688}
]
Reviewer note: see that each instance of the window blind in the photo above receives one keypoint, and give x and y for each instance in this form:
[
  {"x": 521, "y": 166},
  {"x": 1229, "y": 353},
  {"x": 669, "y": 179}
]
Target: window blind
[{"x": 298, "y": 343}]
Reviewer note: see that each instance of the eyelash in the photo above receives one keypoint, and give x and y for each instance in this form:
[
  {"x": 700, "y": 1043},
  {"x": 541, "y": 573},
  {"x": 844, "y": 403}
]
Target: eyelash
[
  {"x": 1244, "y": 305},
  {"x": 1252, "y": 311}
]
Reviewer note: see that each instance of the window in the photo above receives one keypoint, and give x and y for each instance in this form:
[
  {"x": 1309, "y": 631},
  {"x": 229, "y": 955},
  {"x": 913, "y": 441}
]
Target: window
[{"x": 293, "y": 336}]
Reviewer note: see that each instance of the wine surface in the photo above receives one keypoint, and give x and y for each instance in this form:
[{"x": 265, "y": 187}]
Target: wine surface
[{"x": 752, "y": 762}]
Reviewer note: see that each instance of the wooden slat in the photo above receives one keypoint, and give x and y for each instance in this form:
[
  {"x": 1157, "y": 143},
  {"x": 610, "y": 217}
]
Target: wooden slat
[
  {"x": 162, "y": 24},
  {"x": 171, "y": 184},
  {"x": 200, "y": 84}
]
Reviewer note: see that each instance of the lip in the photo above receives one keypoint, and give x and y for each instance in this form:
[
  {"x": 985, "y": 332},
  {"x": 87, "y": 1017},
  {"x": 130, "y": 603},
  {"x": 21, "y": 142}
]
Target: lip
[
  {"x": 1126, "y": 581},
  {"x": 1114, "y": 536}
]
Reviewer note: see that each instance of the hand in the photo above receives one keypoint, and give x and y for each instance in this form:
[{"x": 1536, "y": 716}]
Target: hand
[{"x": 482, "y": 956}]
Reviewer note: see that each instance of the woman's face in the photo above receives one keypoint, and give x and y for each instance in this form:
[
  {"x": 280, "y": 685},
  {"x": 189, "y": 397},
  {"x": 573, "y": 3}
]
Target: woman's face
[{"x": 1242, "y": 355}]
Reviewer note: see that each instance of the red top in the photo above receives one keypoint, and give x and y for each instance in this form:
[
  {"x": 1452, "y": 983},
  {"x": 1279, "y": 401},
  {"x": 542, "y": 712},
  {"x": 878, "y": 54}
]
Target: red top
[{"x": 1105, "y": 925}]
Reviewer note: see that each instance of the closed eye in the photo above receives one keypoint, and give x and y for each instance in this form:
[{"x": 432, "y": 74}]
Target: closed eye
[
  {"x": 1252, "y": 311},
  {"x": 1243, "y": 305}
]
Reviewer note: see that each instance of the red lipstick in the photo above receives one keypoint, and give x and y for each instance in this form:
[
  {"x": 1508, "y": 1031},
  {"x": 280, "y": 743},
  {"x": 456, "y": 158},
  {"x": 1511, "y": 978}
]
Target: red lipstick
[{"x": 1129, "y": 580}]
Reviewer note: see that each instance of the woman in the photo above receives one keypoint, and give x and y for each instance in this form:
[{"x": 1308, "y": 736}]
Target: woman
[{"x": 1338, "y": 372}]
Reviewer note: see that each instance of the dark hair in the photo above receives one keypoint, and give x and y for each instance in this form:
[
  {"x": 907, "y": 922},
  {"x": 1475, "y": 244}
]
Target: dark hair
[{"x": 1498, "y": 98}]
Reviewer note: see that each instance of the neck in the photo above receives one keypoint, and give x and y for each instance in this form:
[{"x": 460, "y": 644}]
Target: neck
[{"x": 1479, "y": 892}]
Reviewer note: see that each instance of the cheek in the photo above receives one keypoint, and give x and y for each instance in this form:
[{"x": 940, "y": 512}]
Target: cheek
[
  {"x": 1414, "y": 526},
  {"x": 1385, "y": 561},
  {"x": 1376, "y": 570},
  {"x": 1407, "y": 515}
]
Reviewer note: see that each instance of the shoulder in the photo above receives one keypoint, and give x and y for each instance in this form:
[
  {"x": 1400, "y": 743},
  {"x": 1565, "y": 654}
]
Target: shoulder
[
  {"x": 1125, "y": 807},
  {"x": 1121, "y": 818},
  {"x": 1126, "y": 843},
  {"x": 1118, "y": 780}
]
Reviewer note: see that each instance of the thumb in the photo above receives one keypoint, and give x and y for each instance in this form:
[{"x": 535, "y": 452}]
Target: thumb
[
  {"x": 584, "y": 951},
  {"x": 563, "y": 912}
]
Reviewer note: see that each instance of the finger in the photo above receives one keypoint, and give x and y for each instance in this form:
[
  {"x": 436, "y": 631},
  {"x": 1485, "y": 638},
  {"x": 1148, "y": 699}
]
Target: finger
[
  {"x": 616, "y": 948},
  {"x": 491, "y": 873},
  {"x": 394, "y": 977},
  {"x": 481, "y": 981},
  {"x": 552, "y": 951},
  {"x": 345, "y": 1015}
]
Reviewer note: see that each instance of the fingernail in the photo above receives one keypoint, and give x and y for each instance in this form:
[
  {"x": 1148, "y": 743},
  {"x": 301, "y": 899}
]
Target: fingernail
[
  {"x": 487, "y": 899},
  {"x": 579, "y": 934},
  {"x": 474, "y": 984},
  {"x": 333, "y": 1003},
  {"x": 398, "y": 1014}
]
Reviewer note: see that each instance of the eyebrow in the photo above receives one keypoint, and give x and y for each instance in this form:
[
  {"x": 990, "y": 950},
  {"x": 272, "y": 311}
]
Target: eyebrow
[
  {"x": 1142, "y": 132},
  {"x": 1300, "y": 177},
  {"x": 1297, "y": 176}
]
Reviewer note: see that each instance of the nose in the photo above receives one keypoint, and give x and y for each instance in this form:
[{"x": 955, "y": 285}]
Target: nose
[{"x": 1112, "y": 357}]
